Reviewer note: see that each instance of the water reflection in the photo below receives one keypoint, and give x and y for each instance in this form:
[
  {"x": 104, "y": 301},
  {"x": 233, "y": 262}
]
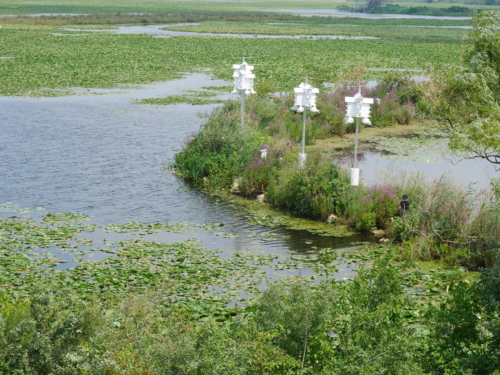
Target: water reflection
[{"x": 375, "y": 164}]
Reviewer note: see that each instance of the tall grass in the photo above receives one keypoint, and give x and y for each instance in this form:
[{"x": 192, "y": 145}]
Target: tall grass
[{"x": 447, "y": 221}]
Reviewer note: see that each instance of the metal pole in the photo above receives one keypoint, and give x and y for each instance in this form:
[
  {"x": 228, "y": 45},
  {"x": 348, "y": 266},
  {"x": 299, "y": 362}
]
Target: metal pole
[
  {"x": 304, "y": 130},
  {"x": 242, "y": 108},
  {"x": 356, "y": 144}
]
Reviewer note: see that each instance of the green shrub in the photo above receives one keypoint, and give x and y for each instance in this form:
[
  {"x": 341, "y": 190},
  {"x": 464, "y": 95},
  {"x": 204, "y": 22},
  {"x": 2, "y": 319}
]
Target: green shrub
[
  {"x": 381, "y": 203},
  {"x": 447, "y": 221},
  {"x": 298, "y": 317},
  {"x": 371, "y": 335},
  {"x": 221, "y": 150},
  {"x": 315, "y": 192},
  {"x": 52, "y": 334},
  {"x": 465, "y": 329},
  {"x": 354, "y": 328},
  {"x": 259, "y": 172}
]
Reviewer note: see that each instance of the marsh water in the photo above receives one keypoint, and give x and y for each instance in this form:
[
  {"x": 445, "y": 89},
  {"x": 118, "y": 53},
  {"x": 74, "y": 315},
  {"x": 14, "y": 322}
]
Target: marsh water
[{"x": 102, "y": 155}]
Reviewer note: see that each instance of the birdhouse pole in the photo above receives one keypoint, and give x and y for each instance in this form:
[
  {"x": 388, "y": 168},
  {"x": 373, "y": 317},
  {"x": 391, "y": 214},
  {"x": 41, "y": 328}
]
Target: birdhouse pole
[
  {"x": 305, "y": 99},
  {"x": 357, "y": 107}
]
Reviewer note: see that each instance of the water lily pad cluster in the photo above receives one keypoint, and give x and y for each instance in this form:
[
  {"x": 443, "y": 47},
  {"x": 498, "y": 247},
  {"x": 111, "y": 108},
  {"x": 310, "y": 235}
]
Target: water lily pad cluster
[{"x": 185, "y": 274}]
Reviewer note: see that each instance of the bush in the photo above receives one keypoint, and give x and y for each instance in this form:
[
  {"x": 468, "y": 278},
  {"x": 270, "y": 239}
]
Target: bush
[
  {"x": 382, "y": 201},
  {"x": 447, "y": 221},
  {"x": 52, "y": 334},
  {"x": 221, "y": 150},
  {"x": 259, "y": 172},
  {"x": 315, "y": 192},
  {"x": 465, "y": 329},
  {"x": 370, "y": 337}
]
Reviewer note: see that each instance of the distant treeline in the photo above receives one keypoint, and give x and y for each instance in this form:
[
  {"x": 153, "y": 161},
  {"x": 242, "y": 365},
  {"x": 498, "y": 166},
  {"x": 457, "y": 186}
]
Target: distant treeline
[{"x": 421, "y": 10}]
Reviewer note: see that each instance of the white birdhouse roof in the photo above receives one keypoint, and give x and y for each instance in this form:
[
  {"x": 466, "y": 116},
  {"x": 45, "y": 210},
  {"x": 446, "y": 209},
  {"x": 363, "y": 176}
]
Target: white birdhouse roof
[{"x": 358, "y": 96}]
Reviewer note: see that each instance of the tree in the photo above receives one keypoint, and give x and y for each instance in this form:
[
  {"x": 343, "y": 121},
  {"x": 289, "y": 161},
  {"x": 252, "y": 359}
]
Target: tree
[
  {"x": 373, "y": 4},
  {"x": 466, "y": 98}
]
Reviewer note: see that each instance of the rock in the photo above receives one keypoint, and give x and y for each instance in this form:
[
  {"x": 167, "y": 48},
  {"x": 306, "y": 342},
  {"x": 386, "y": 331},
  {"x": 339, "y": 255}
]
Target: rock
[
  {"x": 384, "y": 240},
  {"x": 235, "y": 189},
  {"x": 260, "y": 198},
  {"x": 331, "y": 218},
  {"x": 378, "y": 232}
]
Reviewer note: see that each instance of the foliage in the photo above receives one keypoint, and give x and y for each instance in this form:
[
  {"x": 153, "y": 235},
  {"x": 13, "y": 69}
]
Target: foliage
[
  {"x": 453, "y": 11},
  {"x": 153, "y": 309},
  {"x": 394, "y": 104},
  {"x": 373, "y": 4},
  {"x": 221, "y": 150},
  {"x": 315, "y": 192},
  {"x": 51, "y": 335},
  {"x": 382, "y": 200},
  {"x": 466, "y": 97},
  {"x": 350, "y": 328},
  {"x": 258, "y": 173},
  {"x": 465, "y": 329},
  {"x": 495, "y": 187},
  {"x": 299, "y": 319},
  {"x": 447, "y": 221},
  {"x": 371, "y": 335}
]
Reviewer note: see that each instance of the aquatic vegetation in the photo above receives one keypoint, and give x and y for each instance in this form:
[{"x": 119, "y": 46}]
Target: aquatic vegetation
[
  {"x": 179, "y": 99},
  {"x": 189, "y": 277},
  {"x": 305, "y": 27},
  {"x": 43, "y": 61},
  {"x": 129, "y": 308}
]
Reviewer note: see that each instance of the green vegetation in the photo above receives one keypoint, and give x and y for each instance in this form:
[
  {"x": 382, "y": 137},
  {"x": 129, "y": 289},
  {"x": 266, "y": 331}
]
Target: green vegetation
[
  {"x": 149, "y": 6},
  {"x": 41, "y": 60},
  {"x": 179, "y": 99},
  {"x": 465, "y": 97},
  {"x": 452, "y": 11},
  {"x": 306, "y": 28},
  {"x": 366, "y": 325},
  {"x": 446, "y": 221},
  {"x": 175, "y": 7},
  {"x": 151, "y": 307},
  {"x": 155, "y": 18}
]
